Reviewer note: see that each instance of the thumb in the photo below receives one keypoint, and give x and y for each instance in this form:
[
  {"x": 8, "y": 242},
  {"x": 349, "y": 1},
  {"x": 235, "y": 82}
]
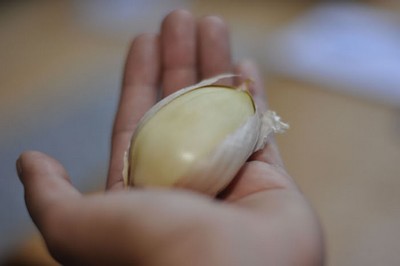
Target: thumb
[{"x": 46, "y": 184}]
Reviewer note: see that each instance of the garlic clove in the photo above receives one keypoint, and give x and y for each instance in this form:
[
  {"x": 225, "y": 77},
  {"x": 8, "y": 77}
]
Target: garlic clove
[
  {"x": 214, "y": 172},
  {"x": 197, "y": 138},
  {"x": 186, "y": 131}
]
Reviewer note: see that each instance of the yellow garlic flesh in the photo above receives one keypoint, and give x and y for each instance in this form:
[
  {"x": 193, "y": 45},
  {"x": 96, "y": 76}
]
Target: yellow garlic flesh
[{"x": 197, "y": 138}]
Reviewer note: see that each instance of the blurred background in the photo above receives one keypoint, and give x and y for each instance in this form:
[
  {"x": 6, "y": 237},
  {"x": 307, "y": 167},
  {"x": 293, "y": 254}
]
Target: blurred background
[{"x": 332, "y": 70}]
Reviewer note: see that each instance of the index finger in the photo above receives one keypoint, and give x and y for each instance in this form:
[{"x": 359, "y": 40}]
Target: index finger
[{"x": 138, "y": 94}]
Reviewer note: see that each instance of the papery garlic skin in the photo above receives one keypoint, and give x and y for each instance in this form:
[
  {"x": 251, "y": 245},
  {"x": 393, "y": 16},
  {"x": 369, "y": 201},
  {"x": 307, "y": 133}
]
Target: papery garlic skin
[
  {"x": 197, "y": 138},
  {"x": 215, "y": 172}
]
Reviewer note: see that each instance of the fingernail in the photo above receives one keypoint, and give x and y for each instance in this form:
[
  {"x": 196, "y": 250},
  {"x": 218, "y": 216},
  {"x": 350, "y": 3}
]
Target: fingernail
[{"x": 19, "y": 167}]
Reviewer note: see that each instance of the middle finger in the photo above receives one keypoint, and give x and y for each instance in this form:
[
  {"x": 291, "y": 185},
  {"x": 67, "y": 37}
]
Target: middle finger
[
  {"x": 178, "y": 42},
  {"x": 214, "y": 47}
]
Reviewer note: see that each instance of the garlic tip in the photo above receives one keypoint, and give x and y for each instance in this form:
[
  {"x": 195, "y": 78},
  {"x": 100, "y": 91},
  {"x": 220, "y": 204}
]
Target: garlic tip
[{"x": 275, "y": 121}]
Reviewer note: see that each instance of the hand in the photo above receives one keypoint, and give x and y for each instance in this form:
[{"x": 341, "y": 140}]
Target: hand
[{"x": 263, "y": 218}]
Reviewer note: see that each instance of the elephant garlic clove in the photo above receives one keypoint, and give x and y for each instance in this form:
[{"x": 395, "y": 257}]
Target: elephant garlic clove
[{"x": 197, "y": 138}]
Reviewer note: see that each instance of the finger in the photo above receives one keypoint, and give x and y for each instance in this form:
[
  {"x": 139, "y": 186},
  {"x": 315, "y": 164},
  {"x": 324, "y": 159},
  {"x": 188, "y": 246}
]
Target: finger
[
  {"x": 214, "y": 47},
  {"x": 62, "y": 215},
  {"x": 46, "y": 185},
  {"x": 124, "y": 228},
  {"x": 138, "y": 94},
  {"x": 178, "y": 42},
  {"x": 110, "y": 229},
  {"x": 248, "y": 70}
]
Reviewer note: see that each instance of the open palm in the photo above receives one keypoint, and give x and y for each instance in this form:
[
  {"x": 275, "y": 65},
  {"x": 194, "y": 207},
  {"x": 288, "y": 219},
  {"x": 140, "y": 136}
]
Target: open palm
[{"x": 261, "y": 219}]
